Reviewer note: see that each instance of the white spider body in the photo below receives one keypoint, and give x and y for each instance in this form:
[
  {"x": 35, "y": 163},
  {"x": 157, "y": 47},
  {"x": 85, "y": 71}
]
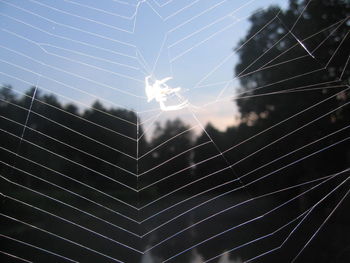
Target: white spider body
[{"x": 160, "y": 91}]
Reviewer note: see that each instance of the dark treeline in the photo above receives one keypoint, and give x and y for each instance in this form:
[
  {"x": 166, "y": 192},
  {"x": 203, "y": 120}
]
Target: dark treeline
[{"x": 292, "y": 106}]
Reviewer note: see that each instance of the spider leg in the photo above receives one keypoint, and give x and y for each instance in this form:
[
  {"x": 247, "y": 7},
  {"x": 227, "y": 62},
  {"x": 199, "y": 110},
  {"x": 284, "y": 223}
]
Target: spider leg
[
  {"x": 173, "y": 107},
  {"x": 164, "y": 80}
]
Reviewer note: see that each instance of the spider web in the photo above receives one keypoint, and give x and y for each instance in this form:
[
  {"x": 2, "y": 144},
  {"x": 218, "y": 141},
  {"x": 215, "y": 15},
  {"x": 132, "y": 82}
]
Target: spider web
[{"x": 128, "y": 202}]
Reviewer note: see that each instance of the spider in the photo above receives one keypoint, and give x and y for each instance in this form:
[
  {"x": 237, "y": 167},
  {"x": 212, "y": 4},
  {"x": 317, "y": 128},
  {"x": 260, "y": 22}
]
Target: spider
[{"x": 160, "y": 91}]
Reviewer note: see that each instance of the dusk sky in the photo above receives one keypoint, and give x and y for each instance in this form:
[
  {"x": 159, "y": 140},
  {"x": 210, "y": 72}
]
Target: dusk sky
[{"x": 84, "y": 50}]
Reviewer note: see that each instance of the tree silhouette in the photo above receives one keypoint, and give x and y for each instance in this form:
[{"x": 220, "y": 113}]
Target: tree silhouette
[
  {"x": 281, "y": 34},
  {"x": 304, "y": 57},
  {"x": 291, "y": 52}
]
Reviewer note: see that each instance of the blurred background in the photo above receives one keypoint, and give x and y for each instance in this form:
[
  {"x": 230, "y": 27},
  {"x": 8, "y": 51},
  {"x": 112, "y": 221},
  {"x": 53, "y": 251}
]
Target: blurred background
[{"x": 255, "y": 168}]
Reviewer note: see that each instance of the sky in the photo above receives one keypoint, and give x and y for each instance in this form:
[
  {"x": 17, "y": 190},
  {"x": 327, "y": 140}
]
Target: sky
[{"x": 84, "y": 50}]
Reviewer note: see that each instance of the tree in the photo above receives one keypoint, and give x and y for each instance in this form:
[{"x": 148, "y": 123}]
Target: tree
[
  {"x": 279, "y": 32},
  {"x": 287, "y": 63},
  {"x": 298, "y": 48},
  {"x": 169, "y": 140}
]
